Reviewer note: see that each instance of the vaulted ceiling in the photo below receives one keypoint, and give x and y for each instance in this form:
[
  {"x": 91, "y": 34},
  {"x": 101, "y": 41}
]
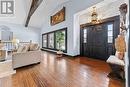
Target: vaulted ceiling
[{"x": 22, "y": 8}]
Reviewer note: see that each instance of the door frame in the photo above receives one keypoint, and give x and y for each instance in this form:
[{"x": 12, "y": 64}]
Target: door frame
[
  {"x": 129, "y": 59},
  {"x": 115, "y": 19},
  {"x": 129, "y": 52}
]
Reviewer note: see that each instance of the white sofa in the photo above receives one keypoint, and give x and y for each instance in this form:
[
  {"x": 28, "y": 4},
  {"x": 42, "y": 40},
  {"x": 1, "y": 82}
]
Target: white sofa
[{"x": 24, "y": 59}]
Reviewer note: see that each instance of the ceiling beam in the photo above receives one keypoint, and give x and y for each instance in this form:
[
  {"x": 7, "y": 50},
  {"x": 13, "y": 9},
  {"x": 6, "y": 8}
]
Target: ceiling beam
[{"x": 35, "y": 4}]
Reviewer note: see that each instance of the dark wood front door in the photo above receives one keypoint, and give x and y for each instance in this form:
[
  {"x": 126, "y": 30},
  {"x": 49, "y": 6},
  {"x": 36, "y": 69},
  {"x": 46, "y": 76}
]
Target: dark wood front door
[{"x": 97, "y": 41}]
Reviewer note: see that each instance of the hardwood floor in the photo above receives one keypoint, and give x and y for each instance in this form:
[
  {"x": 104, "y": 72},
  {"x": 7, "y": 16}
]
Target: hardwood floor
[{"x": 64, "y": 72}]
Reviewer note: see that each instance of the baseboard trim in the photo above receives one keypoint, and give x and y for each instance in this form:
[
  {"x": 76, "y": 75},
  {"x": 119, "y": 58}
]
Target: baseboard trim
[
  {"x": 54, "y": 52},
  {"x": 48, "y": 50},
  {"x": 72, "y": 56}
]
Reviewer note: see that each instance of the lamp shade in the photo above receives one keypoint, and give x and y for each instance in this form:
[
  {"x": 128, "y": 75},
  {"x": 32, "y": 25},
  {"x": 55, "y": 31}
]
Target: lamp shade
[{"x": 15, "y": 41}]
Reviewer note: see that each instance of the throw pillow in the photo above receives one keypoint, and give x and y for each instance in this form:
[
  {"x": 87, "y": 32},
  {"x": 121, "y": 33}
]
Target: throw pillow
[
  {"x": 20, "y": 49},
  {"x": 120, "y": 55},
  {"x": 26, "y": 48},
  {"x": 33, "y": 47}
]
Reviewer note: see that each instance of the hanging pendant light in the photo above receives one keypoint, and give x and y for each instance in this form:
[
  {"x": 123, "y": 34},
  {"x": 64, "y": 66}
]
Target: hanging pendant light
[{"x": 94, "y": 17}]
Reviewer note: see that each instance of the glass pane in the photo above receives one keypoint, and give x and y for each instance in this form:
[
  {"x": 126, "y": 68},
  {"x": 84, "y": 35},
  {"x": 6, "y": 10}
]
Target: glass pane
[
  {"x": 85, "y": 31},
  {"x": 110, "y": 39},
  {"x": 85, "y": 40},
  {"x": 44, "y": 40},
  {"x": 110, "y": 33},
  {"x": 60, "y": 40},
  {"x": 85, "y": 35},
  {"x": 110, "y": 27},
  {"x": 51, "y": 40}
]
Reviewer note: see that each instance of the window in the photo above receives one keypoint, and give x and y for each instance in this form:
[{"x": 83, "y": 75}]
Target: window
[
  {"x": 60, "y": 40},
  {"x": 51, "y": 40},
  {"x": 56, "y": 40},
  {"x": 44, "y": 41},
  {"x": 110, "y": 33},
  {"x": 85, "y": 35}
]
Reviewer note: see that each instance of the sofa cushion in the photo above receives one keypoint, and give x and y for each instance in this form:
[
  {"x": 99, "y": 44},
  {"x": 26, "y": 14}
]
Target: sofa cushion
[
  {"x": 33, "y": 47},
  {"x": 115, "y": 60},
  {"x": 119, "y": 55},
  {"x": 26, "y": 48},
  {"x": 20, "y": 49}
]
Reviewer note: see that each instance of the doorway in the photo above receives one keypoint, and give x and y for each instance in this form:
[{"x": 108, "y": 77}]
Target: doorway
[{"x": 97, "y": 40}]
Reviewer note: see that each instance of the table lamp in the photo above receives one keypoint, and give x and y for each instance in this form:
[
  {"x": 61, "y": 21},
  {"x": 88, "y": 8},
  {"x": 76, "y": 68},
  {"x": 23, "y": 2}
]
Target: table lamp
[{"x": 15, "y": 42}]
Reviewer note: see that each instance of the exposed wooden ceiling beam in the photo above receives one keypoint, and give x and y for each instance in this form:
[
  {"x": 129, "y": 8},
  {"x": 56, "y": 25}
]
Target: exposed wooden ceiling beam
[{"x": 35, "y": 4}]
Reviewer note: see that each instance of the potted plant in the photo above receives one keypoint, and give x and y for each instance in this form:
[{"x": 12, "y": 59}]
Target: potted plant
[{"x": 59, "y": 41}]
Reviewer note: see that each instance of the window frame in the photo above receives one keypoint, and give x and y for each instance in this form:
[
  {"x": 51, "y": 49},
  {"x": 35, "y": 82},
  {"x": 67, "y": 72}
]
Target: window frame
[
  {"x": 49, "y": 42},
  {"x": 86, "y": 36},
  {"x": 43, "y": 40},
  {"x": 112, "y": 33},
  {"x": 63, "y": 29}
]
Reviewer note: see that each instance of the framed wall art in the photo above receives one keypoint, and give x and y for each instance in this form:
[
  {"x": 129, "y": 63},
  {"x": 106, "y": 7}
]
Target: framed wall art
[{"x": 58, "y": 17}]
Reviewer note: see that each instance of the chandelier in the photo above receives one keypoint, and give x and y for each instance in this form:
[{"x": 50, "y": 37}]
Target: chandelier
[{"x": 94, "y": 17}]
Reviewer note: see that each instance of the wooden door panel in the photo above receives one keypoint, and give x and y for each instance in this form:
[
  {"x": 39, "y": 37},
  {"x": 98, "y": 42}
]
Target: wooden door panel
[{"x": 97, "y": 44}]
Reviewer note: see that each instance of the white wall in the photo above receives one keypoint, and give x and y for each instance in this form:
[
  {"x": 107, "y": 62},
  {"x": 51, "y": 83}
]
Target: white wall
[
  {"x": 0, "y": 35},
  {"x": 72, "y": 7},
  {"x": 112, "y": 9},
  {"x": 126, "y": 58},
  {"x": 22, "y": 33},
  {"x": 107, "y": 10},
  {"x": 22, "y": 8},
  {"x": 127, "y": 39}
]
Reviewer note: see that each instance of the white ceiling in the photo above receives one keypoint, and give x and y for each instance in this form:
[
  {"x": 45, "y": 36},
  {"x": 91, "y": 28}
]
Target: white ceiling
[
  {"x": 22, "y": 8},
  {"x": 46, "y": 7}
]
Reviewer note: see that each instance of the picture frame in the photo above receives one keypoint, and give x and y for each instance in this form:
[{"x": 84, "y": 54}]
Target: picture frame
[{"x": 58, "y": 17}]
